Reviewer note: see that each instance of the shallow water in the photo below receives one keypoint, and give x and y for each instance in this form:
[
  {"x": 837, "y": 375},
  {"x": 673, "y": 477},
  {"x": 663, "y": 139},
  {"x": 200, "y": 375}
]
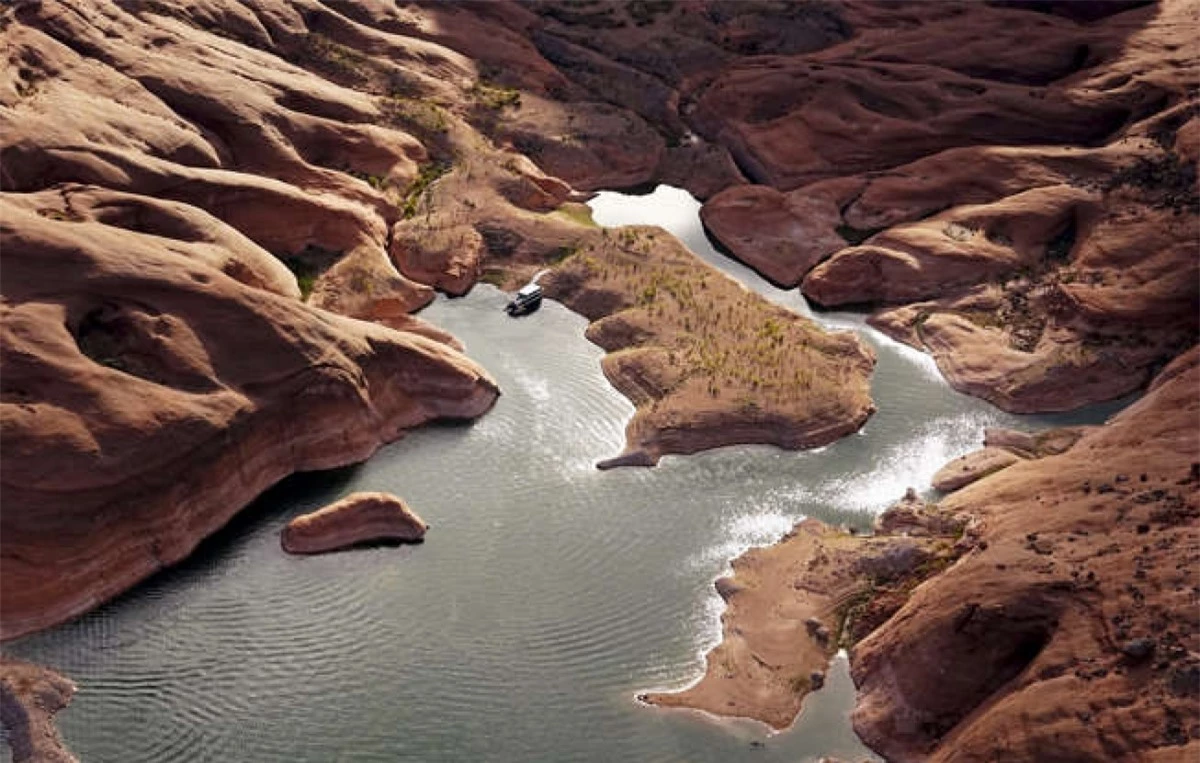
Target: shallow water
[{"x": 546, "y": 595}]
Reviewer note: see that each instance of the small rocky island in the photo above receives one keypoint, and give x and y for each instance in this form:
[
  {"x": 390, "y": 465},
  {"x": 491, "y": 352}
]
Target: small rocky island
[{"x": 357, "y": 519}]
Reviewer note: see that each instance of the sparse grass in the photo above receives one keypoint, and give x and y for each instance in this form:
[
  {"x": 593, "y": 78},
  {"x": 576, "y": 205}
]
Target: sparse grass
[
  {"x": 495, "y": 97},
  {"x": 493, "y": 277},
  {"x": 306, "y": 275},
  {"x": 580, "y": 214},
  {"x": 1166, "y": 180},
  {"x": 339, "y": 62},
  {"x": 308, "y": 265},
  {"x": 378, "y": 182},
  {"x": 413, "y": 196},
  {"x": 420, "y": 117},
  {"x": 732, "y": 344},
  {"x": 561, "y": 253},
  {"x": 850, "y": 609}
]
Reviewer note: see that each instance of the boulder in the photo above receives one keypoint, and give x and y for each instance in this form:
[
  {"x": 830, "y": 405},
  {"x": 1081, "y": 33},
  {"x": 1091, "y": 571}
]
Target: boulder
[
  {"x": 894, "y": 560},
  {"x": 358, "y": 518},
  {"x": 972, "y": 467},
  {"x": 1000, "y": 437},
  {"x": 912, "y": 516}
]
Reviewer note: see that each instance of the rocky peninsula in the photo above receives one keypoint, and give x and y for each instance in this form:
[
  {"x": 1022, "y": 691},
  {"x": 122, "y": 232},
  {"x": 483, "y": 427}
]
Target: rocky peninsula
[{"x": 1048, "y": 610}]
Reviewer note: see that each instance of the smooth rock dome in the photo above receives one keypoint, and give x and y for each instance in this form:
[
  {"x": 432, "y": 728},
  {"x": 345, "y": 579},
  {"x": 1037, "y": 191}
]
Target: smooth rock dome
[{"x": 357, "y": 518}]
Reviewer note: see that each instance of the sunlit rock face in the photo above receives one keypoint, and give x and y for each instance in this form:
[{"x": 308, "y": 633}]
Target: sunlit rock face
[{"x": 356, "y": 519}]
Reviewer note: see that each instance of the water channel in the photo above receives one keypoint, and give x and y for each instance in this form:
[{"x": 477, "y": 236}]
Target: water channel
[{"x": 545, "y": 596}]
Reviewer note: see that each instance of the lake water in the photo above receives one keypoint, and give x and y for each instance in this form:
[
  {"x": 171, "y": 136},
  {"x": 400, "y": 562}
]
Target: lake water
[{"x": 546, "y": 595}]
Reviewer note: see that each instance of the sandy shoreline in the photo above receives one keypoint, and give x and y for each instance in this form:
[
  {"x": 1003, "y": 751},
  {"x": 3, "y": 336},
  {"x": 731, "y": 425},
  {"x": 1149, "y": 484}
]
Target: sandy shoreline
[{"x": 790, "y": 606}]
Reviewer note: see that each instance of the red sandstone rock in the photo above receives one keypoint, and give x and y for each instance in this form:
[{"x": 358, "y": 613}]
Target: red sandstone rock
[
  {"x": 917, "y": 153},
  {"x": 1068, "y": 598},
  {"x": 357, "y": 518},
  {"x": 159, "y": 181},
  {"x": 780, "y": 236},
  {"x": 147, "y": 397},
  {"x": 972, "y": 467},
  {"x": 1016, "y": 649},
  {"x": 30, "y": 697}
]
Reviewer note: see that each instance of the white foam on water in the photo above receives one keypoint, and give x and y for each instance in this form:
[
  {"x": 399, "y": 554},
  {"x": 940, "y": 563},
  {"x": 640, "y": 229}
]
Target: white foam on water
[
  {"x": 739, "y": 532},
  {"x": 911, "y": 463}
]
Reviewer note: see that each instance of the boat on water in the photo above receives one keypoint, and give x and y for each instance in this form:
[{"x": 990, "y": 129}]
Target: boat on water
[{"x": 528, "y": 298}]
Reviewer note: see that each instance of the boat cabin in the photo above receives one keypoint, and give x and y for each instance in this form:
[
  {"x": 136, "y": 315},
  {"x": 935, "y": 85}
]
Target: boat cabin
[{"x": 528, "y": 299}]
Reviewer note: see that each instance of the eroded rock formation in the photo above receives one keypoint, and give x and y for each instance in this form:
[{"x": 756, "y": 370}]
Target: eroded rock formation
[
  {"x": 179, "y": 178},
  {"x": 784, "y": 610},
  {"x": 147, "y": 397},
  {"x": 358, "y": 518},
  {"x": 1013, "y": 184},
  {"x": 30, "y": 697},
  {"x": 1074, "y": 557}
]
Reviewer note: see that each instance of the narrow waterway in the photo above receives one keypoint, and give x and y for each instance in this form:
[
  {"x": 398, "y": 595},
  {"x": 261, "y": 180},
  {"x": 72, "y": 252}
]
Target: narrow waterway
[{"x": 545, "y": 596}]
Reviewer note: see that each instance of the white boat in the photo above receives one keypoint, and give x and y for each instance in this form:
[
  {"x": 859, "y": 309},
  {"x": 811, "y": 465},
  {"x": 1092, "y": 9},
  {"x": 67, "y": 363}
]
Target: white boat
[{"x": 528, "y": 298}]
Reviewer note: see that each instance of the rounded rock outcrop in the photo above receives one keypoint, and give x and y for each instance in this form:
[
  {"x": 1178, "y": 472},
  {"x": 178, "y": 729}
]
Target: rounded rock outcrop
[{"x": 356, "y": 519}]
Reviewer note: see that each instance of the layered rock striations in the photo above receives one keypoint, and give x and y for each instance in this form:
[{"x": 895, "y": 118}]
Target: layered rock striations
[{"x": 147, "y": 397}]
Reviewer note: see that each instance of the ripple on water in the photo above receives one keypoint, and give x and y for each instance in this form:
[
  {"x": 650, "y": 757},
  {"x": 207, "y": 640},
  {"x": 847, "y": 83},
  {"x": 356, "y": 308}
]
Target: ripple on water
[{"x": 546, "y": 594}]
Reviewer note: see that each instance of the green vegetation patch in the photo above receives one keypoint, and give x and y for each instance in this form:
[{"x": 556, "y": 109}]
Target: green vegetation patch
[
  {"x": 558, "y": 254},
  {"x": 495, "y": 97},
  {"x": 417, "y": 190},
  {"x": 580, "y": 214},
  {"x": 419, "y": 117},
  {"x": 1166, "y": 180},
  {"x": 378, "y": 182},
  {"x": 339, "y": 62}
]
